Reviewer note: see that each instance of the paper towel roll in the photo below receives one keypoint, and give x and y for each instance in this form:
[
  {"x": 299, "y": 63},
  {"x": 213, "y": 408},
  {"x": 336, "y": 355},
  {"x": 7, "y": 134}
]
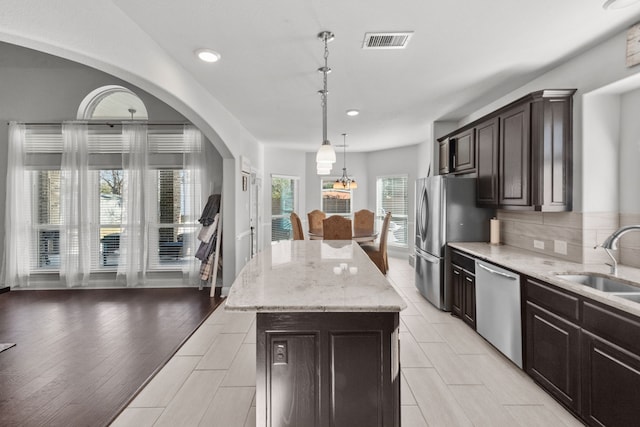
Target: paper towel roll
[{"x": 495, "y": 231}]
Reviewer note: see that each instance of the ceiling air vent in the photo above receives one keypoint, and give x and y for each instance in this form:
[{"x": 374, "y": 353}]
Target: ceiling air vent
[{"x": 395, "y": 40}]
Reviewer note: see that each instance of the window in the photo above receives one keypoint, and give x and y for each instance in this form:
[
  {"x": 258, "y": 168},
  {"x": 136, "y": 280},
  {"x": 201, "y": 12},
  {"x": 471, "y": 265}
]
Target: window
[
  {"x": 391, "y": 196},
  {"x": 284, "y": 200},
  {"x": 335, "y": 201},
  {"x": 46, "y": 203},
  {"x": 175, "y": 230},
  {"x": 111, "y": 183},
  {"x": 172, "y": 225}
]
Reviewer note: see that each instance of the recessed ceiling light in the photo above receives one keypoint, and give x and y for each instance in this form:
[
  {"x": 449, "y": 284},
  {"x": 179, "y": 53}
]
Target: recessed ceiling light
[
  {"x": 208, "y": 55},
  {"x": 352, "y": 113},
  {"x": 618, "y": 4}
]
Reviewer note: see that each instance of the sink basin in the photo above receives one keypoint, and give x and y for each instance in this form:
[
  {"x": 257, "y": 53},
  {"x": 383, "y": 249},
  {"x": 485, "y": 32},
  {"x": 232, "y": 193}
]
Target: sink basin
[
  {"x": 631, "y": 296},
  {"x": 600, "y": 282}
]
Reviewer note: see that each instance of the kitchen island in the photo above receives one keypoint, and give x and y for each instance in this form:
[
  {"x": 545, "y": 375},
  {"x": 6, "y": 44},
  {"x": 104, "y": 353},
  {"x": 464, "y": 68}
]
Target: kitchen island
[{"x": 327, "y": 335}]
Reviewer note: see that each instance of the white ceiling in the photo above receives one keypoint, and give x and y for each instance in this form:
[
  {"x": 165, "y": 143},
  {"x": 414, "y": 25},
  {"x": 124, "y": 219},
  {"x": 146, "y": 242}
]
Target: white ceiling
[{"x": 463, "y": 54}]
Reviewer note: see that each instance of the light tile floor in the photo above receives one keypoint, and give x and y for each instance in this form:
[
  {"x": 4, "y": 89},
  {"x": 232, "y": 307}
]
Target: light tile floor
[{"x": 450, "y": 375}]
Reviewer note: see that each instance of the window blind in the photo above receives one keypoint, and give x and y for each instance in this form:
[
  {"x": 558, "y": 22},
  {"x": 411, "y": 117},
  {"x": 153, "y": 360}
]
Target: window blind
[{"x": 392, "y": 196}]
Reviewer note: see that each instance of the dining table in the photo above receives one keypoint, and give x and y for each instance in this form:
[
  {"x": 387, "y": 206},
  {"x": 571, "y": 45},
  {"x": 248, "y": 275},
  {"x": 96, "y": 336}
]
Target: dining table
[{"x": 358, "y": 236}]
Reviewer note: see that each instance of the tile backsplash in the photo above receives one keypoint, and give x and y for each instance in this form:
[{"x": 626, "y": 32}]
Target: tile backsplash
[{"x": 569, "y": 235}]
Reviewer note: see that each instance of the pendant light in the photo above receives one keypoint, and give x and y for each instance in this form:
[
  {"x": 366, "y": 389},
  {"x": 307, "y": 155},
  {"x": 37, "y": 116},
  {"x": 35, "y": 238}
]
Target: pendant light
[
  {"x": 344, "y": 182},
  {"x": 326, "y": 156}
]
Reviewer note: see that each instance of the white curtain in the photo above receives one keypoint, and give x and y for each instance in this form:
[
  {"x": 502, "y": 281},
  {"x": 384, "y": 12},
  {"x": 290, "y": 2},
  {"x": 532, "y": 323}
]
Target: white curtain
[
  {"x": 137, "y": 209},
  {"x": 17, "y": 226},
  {"x": 75, "y": 214},
  {"x": 193, "y": 165}
]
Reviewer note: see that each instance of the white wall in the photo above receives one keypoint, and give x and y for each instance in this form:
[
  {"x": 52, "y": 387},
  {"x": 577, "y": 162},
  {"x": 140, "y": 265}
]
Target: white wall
[
  {"x": 629, "y": 171},
  {"x": 397, "y": 161},
  {"x": 600, "y": 159}
]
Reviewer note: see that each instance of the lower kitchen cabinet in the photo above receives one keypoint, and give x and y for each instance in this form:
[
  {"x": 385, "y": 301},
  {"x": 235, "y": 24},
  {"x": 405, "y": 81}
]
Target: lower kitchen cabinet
[
  {"x": 463, "y": 288},
  {"x": 610, "y": 356},
  {"x": 611, "y": 383},
  {"x": 584, "y": 353},
  {"x": 552, "y": 355}
]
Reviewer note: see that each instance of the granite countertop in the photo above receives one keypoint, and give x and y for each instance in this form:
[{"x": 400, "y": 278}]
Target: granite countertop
[
  {"x": 306, "y": 275},
  {"x": 547, "y": 268}
]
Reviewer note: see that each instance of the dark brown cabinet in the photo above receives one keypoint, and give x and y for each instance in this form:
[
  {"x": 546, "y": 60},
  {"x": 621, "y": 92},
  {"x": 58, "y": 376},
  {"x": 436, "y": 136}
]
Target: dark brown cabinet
[
  {"x": 444, "y": 158},
  {"x": 552, "y": 341},
  {"x": 610, "y": 366},
  {"x": 462, "y": 281},
  {"x": 457, "y": 153},
  {"x": 523, "y": 153},
  {"x": 327, "y": 369},
  {"x": 463, "y": 150},
  {"x": 487, "y": 163},
  {"x": 514, "y": 178},
  {"x": 585, "y": 354}
]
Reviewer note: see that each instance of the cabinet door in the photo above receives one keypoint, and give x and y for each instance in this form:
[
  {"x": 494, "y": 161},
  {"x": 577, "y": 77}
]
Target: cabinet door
[
  {"x": 469, "y": 299},
  {"x": 456, "y": 290},
  {"x": 610, "y": 383},
  {"x": 487, "y": 163},
  {"x": 444, "y": 159},
  {"x": 552, "y": 354},
  {"x": 464, "y": 154},
  {"x": 551, "y": 154},
  {"x": 515, "y": 154}
]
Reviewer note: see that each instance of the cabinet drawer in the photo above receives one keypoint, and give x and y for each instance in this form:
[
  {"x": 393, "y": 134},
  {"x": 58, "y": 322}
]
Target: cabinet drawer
[
  {"x": 463, "y": 261},
  {"x": 553, "y": 299},
  {"x": 612, "y": 325}
]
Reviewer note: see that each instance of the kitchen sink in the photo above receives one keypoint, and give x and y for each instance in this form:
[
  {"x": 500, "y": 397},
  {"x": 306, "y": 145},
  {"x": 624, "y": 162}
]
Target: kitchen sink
[
  {"x": 631, "y": 296},
  {"x": 601, "y": 283}
]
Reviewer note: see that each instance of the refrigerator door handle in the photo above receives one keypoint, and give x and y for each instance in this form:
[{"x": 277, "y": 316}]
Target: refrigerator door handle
[
  {"x": 499, "y": 273},
  {"x": 428, "y": 257}
]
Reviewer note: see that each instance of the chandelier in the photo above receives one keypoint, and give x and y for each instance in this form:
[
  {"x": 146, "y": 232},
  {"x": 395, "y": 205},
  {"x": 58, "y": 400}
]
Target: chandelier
[
  {"x": 344, "y": 182},
  {"x": 326, "y": 156}
]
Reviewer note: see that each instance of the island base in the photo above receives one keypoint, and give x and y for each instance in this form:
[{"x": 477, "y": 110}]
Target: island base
[{"x": 327, "y": 369}]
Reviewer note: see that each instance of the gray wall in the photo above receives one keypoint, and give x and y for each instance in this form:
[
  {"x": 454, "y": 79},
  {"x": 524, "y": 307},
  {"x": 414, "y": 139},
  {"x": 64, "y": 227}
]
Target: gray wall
[{"x": 37, "y": 87}]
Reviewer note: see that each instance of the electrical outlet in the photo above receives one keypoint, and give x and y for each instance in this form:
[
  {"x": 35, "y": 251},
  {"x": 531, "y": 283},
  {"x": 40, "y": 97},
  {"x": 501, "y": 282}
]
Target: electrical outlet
[
  {"x": 538, "y": 244},
  {"x": 279, "y": 356},
  {"x": 560, "y": 247}
]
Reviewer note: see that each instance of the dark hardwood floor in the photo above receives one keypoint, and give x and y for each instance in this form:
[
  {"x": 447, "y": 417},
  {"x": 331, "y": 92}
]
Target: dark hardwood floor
[{"x": 81, "y": 355}]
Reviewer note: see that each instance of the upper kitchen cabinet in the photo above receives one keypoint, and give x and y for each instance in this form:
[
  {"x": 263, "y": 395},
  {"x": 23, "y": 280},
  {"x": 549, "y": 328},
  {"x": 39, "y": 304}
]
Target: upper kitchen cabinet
[
  {"x": 444, "y": 158},
  {"x": 487, "y": 162},
  {"x": 464, "y": 151},
  {"x": 458, "y": 153},
  {"x": 552, "y": 150},
  {"x": 523, "y": 153},
  {"x": 515, "y": 157}
]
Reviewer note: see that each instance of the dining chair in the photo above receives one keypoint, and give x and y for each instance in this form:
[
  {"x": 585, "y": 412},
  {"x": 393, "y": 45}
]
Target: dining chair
[
  {"x": 363, "y": 221},
  {"x": 378, "y": 252},
  {"x": 296, "y": 226},
  {"x": 336, "y": 227},
  {"x": 315, "y": 221}
]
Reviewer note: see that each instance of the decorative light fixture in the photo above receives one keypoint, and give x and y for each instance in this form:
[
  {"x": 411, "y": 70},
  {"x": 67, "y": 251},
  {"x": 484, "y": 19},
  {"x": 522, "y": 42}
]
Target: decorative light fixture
[
  {"x": 618, "y": 4},
  {"x": 344, "y": 182},
  {"x": 326, "y": 156},
  {"x": 352, "y": 112},
  {"x": 208, "y": 55}
]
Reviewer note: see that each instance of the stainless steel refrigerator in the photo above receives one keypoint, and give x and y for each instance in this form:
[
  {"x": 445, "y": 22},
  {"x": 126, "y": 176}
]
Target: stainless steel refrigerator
[{"x": 445, "y": 212}]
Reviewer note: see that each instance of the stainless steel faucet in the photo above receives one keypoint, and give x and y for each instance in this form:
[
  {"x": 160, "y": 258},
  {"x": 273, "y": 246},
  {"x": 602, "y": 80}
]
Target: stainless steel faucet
[{"x": 611, "y": 243}]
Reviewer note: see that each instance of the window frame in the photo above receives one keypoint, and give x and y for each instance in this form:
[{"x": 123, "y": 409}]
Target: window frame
[
  {"x": 285, "y": 216},
  {"x": 402, "y": 218},
  {"x": 322, "y": 199}
]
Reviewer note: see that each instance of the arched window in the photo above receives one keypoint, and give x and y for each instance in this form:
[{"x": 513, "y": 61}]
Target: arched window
[{"x": 112, "y": 102}]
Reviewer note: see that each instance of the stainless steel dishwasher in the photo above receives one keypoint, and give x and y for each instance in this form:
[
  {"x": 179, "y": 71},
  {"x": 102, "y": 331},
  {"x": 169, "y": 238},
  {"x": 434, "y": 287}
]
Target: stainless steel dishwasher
[{"x": 498, "y": 315}]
